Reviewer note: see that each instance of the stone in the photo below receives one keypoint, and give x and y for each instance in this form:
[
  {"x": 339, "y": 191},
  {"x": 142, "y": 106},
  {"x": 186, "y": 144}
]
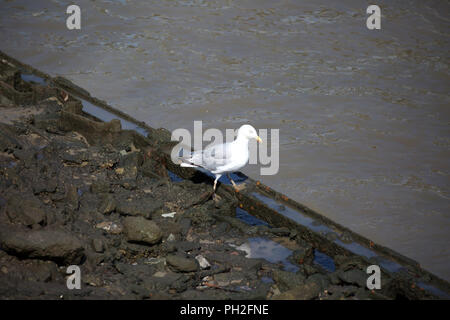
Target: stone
[
  {"x": 354, "y": 276},
  {"x": 305, "y": 254},
  {"x": 98, "y": 245},
  {"x": 141, "y": 230},
  {"x": 99, "y": 187},
  {"x": 181, "y": 264},
  {"x": 25, "y": 210},
  {"x": 307, "y": 291},
  {"x": 110, "y": 227},
  {"x": 52, "y": 244},
  {"x": 204, "y": 264},
  {"x": 72, "y": 197},
  {"x": 47, "y": 185},
  {"x": 108, "y": 204},
  {"x": 322, "y": 280},
  {"x": 286, "y": 280},
  {"x": 142, "y": 207}
]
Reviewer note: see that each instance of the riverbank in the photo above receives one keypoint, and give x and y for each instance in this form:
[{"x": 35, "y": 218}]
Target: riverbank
[{"x": 78, "y": 191}]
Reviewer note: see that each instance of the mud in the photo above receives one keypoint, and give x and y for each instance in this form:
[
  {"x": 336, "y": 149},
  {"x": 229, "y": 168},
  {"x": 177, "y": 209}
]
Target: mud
[{"x": 75, "y": 190}]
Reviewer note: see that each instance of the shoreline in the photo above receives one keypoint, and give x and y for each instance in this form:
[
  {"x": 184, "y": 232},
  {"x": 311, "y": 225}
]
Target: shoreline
[{"x": 125, "y": 185}]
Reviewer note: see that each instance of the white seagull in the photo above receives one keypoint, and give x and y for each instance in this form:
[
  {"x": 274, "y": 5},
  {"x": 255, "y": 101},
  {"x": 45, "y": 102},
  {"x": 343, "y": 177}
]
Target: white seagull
[{"x": 224, "y": 158}]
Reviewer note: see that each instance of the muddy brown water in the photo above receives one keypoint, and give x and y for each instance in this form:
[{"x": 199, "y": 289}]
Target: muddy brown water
[{"x": 363, "y": 115}]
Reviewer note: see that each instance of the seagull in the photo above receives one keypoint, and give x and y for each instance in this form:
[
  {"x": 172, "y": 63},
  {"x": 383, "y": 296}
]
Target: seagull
[{"x": 224, "y": 158}]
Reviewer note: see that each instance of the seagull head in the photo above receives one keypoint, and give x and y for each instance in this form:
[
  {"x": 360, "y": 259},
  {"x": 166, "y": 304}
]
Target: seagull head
[{"x": 248, "y": 132}]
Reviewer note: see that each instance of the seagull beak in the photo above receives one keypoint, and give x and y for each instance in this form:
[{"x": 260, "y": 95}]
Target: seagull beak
[{"x": 259, "y": 139}]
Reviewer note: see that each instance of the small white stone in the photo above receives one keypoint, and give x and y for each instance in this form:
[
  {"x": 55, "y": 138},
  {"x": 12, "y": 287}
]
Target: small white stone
[
  {"x": 202, "y": 262},
  {"x": 159, "y": 274},
  {"x": 168, "y": 215}
]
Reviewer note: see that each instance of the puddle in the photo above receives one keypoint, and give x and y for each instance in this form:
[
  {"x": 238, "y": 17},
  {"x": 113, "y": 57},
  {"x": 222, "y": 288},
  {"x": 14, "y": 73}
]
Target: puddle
[
  {"x": 33, "y": 79},
  {"x": 173, "y": 177},
  {"x": 249, "y": 219},
  {"x": 237, "y": 177},
  {"x": 389, "y": 265},
  {"x": 266, "y": 280},
  {"x": 360, "y": 250},
  {"x": 357, "y": 249},
  {"x": 433, "y": 290},
  {"x": 320, "y": 228},
  {"x": 324, "y": 260},
  {"x": 292, "y": 214},
  {"x": 269, "y": 250},
  {"x": 106, "y": 116}
]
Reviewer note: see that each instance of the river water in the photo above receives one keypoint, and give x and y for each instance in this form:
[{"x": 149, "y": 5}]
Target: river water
[{"x": 363, "y": 114}]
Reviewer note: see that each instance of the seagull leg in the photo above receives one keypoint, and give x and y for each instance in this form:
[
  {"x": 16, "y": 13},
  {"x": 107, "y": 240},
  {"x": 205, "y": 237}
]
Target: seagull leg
[
  {"x": 215, "y": 183},
  {"x": 214, "y": 195},
  {"x": 236, "y": 187}
]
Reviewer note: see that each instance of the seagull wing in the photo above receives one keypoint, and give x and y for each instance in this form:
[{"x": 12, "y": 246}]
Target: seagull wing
[{"x": 212, "y": 157}]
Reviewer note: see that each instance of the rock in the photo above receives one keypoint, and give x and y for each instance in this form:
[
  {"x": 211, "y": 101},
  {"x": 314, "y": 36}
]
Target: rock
[
  {"x": 185, "y": 224},
  {"x": 354, "y": 276},
  {"x": 142, "y": 207},
  {"x": 29, "y": 269},
  {"x": 334, "y": 278},
  {"x": 352, "y": 262},
  {"x": 281, "y": 231},
  {"x": 94, "y": 131},
  {"x": 8, "y": 140},
  {"x": 167, "y": 247},
  {"x": 162, "y": 281},
  {"x": 72, "y": 197},
  {"x": 339, "y": 292},
  {"x": 100, "y": 187},
  {"x": 305, "y": 291},
  {"x": 129, "y": 184},
  {"x": 229, "y": 278},
  {"x": 110, "y": 227},
  {"x": 187, "y": 246},
  {"x": 98, "y": 245},
  {"x": 308, "y": 269},
  {"x": 72, "y": 156},
  {"x": 322, "y": 280},
  {"x": 25, "y": 210},
  {"x": 286, "y": 280},
  {"x": 204, "y": 264},
  {"x": 181, "y": 264},
  {"x": 53, "y": 244},
  {"x": 236, "y": 260},
  {"x": 158, "y": 264},
  {"x": 141, "y": 230},
  {"x": 47, "y": 185},
  {"x": 169, "y": 215},
  {"x": 108, "y": 204},
  {"x": 130, "y": 163},
  {"x": 303, "y": 255}
]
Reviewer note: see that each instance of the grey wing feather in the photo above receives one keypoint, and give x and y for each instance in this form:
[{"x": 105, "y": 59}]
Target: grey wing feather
[{"x": 211, "y": 157}]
